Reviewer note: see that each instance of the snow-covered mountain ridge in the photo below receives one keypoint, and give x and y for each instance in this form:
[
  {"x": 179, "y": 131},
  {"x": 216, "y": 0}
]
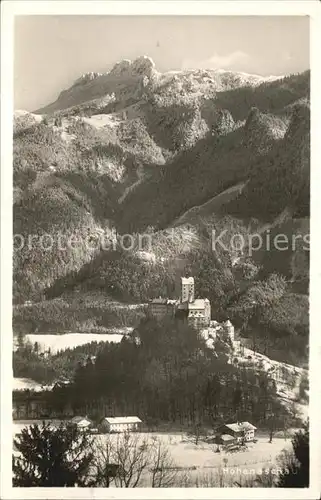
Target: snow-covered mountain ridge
[{"x": 132, "y": 80}]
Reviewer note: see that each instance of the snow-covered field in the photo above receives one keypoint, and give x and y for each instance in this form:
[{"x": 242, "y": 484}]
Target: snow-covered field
[
  {"x": 21, "y": 384},
  {"x": 22, "y": 113},
  {"x": 100, "y": 121},
  {"x": 59, "y": 342},
  {"x": 201, "y": 460},
  {"x": 186, "y": 454}
]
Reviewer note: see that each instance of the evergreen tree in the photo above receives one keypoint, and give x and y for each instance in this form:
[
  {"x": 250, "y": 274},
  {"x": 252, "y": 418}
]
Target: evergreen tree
[
  {"x": 52, "y": 457},
  {"x": 295, "y": 468}
]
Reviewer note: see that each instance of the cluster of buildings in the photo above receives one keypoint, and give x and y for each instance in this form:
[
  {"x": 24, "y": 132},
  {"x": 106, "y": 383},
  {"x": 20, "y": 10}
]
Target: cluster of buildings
[
  {"x": 108, "y": 424},
  {"x": 235, "y": 434},
  {"x": 197, "y": 311},
  {"x": 226, "y": 435}
]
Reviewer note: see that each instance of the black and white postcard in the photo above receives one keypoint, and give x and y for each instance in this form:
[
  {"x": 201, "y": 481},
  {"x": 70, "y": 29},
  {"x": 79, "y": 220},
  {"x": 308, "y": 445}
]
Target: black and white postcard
[{"x": 159, "y": 284}]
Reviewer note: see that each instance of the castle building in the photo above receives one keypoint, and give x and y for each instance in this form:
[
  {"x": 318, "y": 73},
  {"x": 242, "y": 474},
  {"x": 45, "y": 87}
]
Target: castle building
[
  {"x": 161, "y": 307},
  {"x": 197, "y": 311},
  {"x": 187, "y": 290}
]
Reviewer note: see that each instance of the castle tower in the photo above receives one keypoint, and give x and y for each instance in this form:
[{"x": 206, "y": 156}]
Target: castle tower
[
  {"x": 207, "y": 312},
  {"x": 230, "y": 329},
  {"x": 187, "y": 291}
]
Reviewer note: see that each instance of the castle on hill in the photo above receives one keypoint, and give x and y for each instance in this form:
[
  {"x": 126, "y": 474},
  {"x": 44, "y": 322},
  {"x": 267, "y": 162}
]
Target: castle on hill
[{"x": 196, "y": 310}]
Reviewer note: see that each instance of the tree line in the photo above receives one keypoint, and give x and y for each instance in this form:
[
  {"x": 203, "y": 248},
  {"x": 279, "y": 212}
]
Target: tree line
[{"x": 164, "y": 372}]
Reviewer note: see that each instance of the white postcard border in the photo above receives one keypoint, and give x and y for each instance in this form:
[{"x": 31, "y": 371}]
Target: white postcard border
[{"x": 9, "y": 9}]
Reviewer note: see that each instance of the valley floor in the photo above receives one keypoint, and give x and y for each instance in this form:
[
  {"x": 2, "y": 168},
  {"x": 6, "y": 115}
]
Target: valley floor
[{"x": 200, "y": 464}]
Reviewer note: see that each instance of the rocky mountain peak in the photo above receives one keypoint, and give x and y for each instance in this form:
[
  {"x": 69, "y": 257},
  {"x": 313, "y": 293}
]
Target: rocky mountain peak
[
  {"x": 141, "y": 68},
  {"x": 261, "y": 129},
  {"x": 300, "y": 121},
  {"x": 224, "y": 123},
  {"x": 253, "y": 118},
  {"x": 87, "y": 77}
]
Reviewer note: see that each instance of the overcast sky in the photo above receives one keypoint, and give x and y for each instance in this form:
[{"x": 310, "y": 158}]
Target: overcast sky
[{"x": 53, "y": 51}]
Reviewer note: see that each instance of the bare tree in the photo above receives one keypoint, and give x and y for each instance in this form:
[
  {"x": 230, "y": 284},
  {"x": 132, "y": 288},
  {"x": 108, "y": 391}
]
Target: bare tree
[
  {"x": 105, "y": 470},
  {"x": 130, "y": 460},
  {"x": 278, "y": 420},
  {"x": 197, "y": 432},
  {"x": 131, "y": 454},
  {"x": 163, "y": 472}
]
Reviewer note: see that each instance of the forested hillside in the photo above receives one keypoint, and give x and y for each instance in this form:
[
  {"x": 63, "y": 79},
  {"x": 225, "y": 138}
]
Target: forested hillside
[
  {"x": 177, "y": 156},
  {"x": 164, "y": 373}
]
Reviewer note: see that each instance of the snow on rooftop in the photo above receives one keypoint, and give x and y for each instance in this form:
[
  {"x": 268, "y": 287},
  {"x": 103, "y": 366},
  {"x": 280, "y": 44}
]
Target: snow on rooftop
[
  {"x": 186, "y": 281},
  {"x": 197, "y": 304},
  {"x": 240, "y": 426},
  {"x": 78, "y": 419},
  {"x": 123, "y": 420},
  {"x": 226, "y": 437},
  {"x": 159, "y": 300}
]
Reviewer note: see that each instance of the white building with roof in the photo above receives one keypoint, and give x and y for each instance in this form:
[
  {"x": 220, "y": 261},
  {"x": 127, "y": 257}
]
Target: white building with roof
[
  {"x": 82, "y": 423},
  {"x": 239, "y": 430},
  {"x": 119, "y": 424}
]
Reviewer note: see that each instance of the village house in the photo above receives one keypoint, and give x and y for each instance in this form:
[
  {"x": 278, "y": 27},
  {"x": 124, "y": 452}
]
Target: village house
[
  {"x": 239, "y": 431},
  {"x": 60, "y": 383},
  {"x": 82, "y": 423},
  {"x": 119, "y": 424},
  {"x": 224, "y": 440}
]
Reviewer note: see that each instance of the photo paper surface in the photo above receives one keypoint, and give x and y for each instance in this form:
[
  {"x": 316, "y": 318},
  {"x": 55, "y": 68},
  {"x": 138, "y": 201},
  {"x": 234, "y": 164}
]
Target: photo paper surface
[{"x": 159, "y": 281}]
